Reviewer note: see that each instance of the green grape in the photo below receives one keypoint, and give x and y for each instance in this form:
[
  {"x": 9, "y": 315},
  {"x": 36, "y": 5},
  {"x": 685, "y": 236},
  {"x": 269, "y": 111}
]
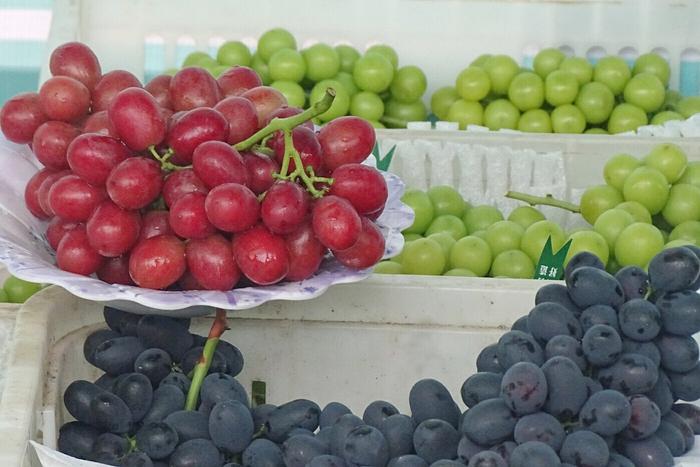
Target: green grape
[
  {"x": 665, "y": 116},
  {"x": 409, "y": 237},
  {"x": 423, "y": 256},
  {"x": 525, "y": 216},
  {"x": 596, "y": 131},
  {"x": 442, "y": 100},
  {"x": 473, "y": 83},
  {"x": 596, "y": 102},
  {"x": 373, "y": 72},
  {"x": 367, "y": 105},
  {"x": 610, "y": 223},
  {"x": 655, "y": 64},
  {"x": 446, "y": 200},
  {"x": 638, "y": 211},
  {"x": 171, "y": 71},
  {"x": 377, "y": 125},
  {"x": 287, "y": 65},
  {"x": 480, "y": 233},
  {"x": 683, "y": 204},
  {"x": 688, "y": 106},
  {"x": 617, "y": 168},
  {"x": 501, "y": 113},
  {"x": 590, "y": 241},
  {"x": 526, "y": 91},
  {"x": 322, "y": 62},
  {"x": 501, "y": 70},
  {"x": 646, "y": 91},
  {"x": 423, "y": 209},
  {"x": 504, "y": 235},
  {"x": 273, "y": 40},
  {"x": 460, "y": 272},
  {"x": 514, "y": 264},
  {"x": 447, "y": 223},
  {"x": 18, "y": 290},
  {"x": 535, "y": 237},
  {"x": 471, "y": 253},
  {"x": 626, "y": 117},
  {"x": 613, "y": 266},
  {"x": 409, "y": 84},
  {"x": 446, "y": 241},
  {"x": 348, "y": 56},
  {"x": 386, "y": 52},
  {"x": 691, "y": 174},
  {"x": 598, "y": 199},
  {"x": 293, "y": 92},
  {"x": 613, "y": 72},
  {"x": 481, "y": 217},
  {"x": 201, "y": 59},
  {"x": 579, "y": 67},
  {"x": 341, "y": 103},
  {"x": 638, "y": 244},
  {"x": 669, "y": 159},
  {"x": 672, "y": 99},
  {"x": 465, "y": 113},
  {"x": 665, "y": 235},
  {"x": 480, "y": 60},
  {"x": 547, "y": 61},
  {"x": 3, "y": 296},
  {"x": 560, "y": 88},
  {"x": 261, "y": 68},
  {"x": 348, "y": 83},
  {"x": 218, "y": 70},
  {"x": 647, "y": 186},
  {"x": 413, "y": 112},
  {"x": 688, "y": 230},
  {"x": 234, "y": 53},
  {"x": 568, "y": 118},
  {"x": 388, "y": 267},
  {"x": 535, "y": 121},
  {"x": 677, "y": 243}
]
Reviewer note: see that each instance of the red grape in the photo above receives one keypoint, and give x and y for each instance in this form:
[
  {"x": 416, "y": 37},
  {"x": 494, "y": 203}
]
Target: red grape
[
  {"x": 63, "y": 98},
  {"x": 137, "y": 118},
  {"x": 188, "y": 218},
  {"x": 194, "y": 128},
  {"x": 31, "y": 194},
  {"x": 188, "y": 282},
  {"x": 242, "y": 118},
  {"x": 362, "y": 185},
  {"x": 51, "y": 141},
  {"x": 56, "y": 229},
  {"x": 216, "y": 163},
  {"x": 159, "y": 87},
  {"x": 336, "y": 223},
  {"x": 154, "y": 223},
  {"x": 232, "y": 207},
  {"x": 180, "y": 183},
  {"x": 285, "y": 207},
  {"x": 135, "y": 182},
  {"x": 260, "y": 169},
  {"x": 157, "y": 262},
  {"x": 111, "y": 230},
  {"x": 266, "y": 100},
  {"x": 115, "y": 271},
  {"x": 73, "y": 199},
  {"x": 305, "y": 253},
  {"x": 21, "y": 116},
  {"x": 193, "y": 87},
  {"x": 44, "y": 188},
  {"x": 78, "y": 61},
  {"x": 368, "y": 249},
  {"x": 99, "y": 122},
  {"x": 237, "y": 80},
  {"x": 93, "y": 156},
  {"x": 110, "y": 85},
  {"x": 74, "y": 253},
  {"x": 261, "y": 255},
  {"x": 210, "y": 261},
  {"x": 306, "y": 144},
  {"x": 346, "y": 140}
]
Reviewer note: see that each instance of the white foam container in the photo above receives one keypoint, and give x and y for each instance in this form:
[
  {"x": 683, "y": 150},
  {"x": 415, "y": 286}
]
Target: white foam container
[{"x": 442, "y": 36}]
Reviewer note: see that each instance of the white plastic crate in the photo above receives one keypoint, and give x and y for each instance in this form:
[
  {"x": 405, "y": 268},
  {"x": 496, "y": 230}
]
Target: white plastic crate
[{"x": 442, "y": 37}]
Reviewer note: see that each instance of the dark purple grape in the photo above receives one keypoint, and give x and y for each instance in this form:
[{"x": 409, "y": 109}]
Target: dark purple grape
[
  {"x": 157, "y": 440},
  {"x": 260, "y": 414},
  {"x": 606, "y": 413},
  {"x": 634, "y": 281},
  {"x": 192, "y": 356},
  {"x": 297, "y": 451},
  {"x": 467, "y": 448},
  {"x": 327, "y": 460},
  {"x": 331, "y": 413},
  {"x": 534, "y": 454},
  {"x": 435, "y": 439},
  {"x": 365, "y": 445},
  {"x": 199, "y": 452},
  {"x": 77, "y": 398},
  {"x": 165, "y": 333},
  {"x": 672, "y": 438},
  {"x": 592, "y": 385},
  {"x": 264, "y": 453},
  {"x": 644, "y": 420},
  {"x": 166, "y": 400},
  {"x": 219, "y": 387},
  {"x": 110, "y": 413},
  {"x": 585, "y": 448},
  {"x": 189, "y": 424},
  {"x": 232, "y": 355},
  {"x": 429, "y": 398},
  {"x": 117, "y": 356},
  {"x": 487, "y": 459},
  {"x": 481, "y": 386},
  {"x": 378, "y": 411},
  {"x": 690, "y": 413},
  {"x": 109, "y": 446},
  {"x": 678, "y": 353},
  {"x": 231, "y": 426},
  {"x": 640, "y": 319},
  {"x": 524, "y": 388},
  {"x": 136, "y": 459},
  {"x": 517, "y": 346},
  {"x": 631, "y": 374},
  {"x": 300, "y": 413},
  {"x": 680, "y": 312},
  {"x": 487, "y": 360},
  {"x": 601, "y": 345},
  {"x": 686, "y": 386},
  {"x": 547, "y": 320},
  {"x": 300, "y": 431},
  {"x": 345, "y": 424},
  {"x": 446, "y": 463},
  {"x": 136, "y": 391},
  {"x": 489, "y": 422},
  {"x": 599, "y": 314},
  {"x": 566, "y": 388},
  {"x": 592, "y": 286},
  {"x": 673, "y": 269},
  {"x": 676, "y": 420},
  {"x": 178, "y": 380},
  {"x": 106, "y": 381},
  {"x": 661, "y": 393},
  {"x": 649, "y": 452},
  {"x": 77, "y": 439},
  {"x": 155, "y": 364},
  {"x": 541, "y": 427},
  {"x": 580, "y": 260},
  {"x": 94, "y": 340},
  {"x": 566, "y": 346},
  {"x": 398, "y": 431},
  {"x": 409, "y": 460},
  {"x": 121, "y": 321},
  {"x": 617, "y": 460},
  {"x": 520, "y": 324},
  {"x": 556, "y": 293},
  {"x": 648, "y": 349},
  {"x": 504, "y": 449}
]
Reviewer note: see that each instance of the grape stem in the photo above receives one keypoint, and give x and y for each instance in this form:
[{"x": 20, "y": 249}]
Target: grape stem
[
  {"x": 547, "y": 200},
  {"x": 164, "y": 160},
  {"x": 307, "y": 176},
  {"x": 218, "y": 328}
]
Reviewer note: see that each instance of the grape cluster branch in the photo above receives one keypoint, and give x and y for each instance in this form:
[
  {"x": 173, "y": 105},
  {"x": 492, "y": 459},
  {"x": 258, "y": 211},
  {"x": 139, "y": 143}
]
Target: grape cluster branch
[
  {"x": 547, "y": 200},
  {"x": 201, "y": 370}
]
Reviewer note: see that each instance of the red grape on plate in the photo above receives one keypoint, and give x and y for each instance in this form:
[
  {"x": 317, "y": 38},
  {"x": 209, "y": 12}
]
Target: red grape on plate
[
  {"x": 21, "y": 116},
  {"x": 188, "y": 218},
  {"x": 266, "y": 100},
  {"x": 78, "y": 61},
  {"x": 362, "y": 185},
  {"x": 336, "y": 223},
  {"x": 368, "y": 249},
  {"x": 111, "y": 230},
  {"x": 42, "y": 192},
  {"x": 56, "y": 229},
  {"x": 261, "y": 255},
  {"x": 193, "y": 87},
  {"x": 241, "y": 115},
  {"x": 210, "y": 261},
  {"x": 51, "y": 141},
  {"x": 285, "y": 207},
  {"x": 137, "y": 118},
  {"x": 115, "y": 271},
  {"x": 237, "y": 80},
  {"x": 346, "y": 140},
  {"x": 260, "y": 169},
  {"x": 305, "y": 253},
  {"x": 194, "y": 128},
  {"x": 73, "y": 199},
  {"x": 159, "y": 87},
  {"x": 158, "y": 262},
  {"x": 93, "y": 156},
  {"x": 232, "y": 207},
  {"x": 181, "y": 182},
  {"x": 110, "y": 85},
  {"x": 31, "y": 194},
  {"x": 306, "y": 144},
  {"x": 154, "y": 223},
  {"x": 216, "y": 163},
  {"x": 99, "y": 122},
  {"x": 135, "y": 182},
  {"x": 74, "y": 253},
  {"x": 65, "y": 99}
]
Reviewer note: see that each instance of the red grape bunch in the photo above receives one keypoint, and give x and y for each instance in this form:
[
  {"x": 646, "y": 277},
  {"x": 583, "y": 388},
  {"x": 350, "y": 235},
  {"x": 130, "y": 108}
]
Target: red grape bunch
[{"x": 192, "y": 182}]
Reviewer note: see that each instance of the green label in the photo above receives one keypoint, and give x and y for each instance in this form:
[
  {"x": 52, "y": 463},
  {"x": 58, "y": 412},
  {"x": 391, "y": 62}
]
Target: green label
[
  {"x": 551, "y": 265},
  {"x": 383, "y": 163}
]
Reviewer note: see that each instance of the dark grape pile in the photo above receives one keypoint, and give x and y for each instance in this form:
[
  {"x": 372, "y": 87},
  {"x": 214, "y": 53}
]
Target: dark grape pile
[
  {"x": 591, "y": 377},
  {"x": 143, "y": 184}
]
